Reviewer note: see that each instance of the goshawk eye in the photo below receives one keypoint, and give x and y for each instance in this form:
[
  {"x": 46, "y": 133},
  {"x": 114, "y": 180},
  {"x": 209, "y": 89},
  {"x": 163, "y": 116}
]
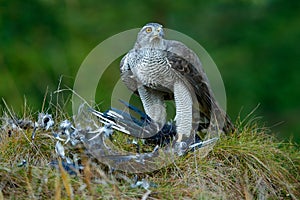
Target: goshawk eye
[{"x": 148, "y": 29}]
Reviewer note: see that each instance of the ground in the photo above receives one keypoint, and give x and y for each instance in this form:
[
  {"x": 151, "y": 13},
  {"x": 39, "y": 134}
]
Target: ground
[{"x": 249, "y": 164}]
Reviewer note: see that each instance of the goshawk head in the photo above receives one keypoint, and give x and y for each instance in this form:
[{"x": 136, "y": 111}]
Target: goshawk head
[{"x": 150, "y": 36}]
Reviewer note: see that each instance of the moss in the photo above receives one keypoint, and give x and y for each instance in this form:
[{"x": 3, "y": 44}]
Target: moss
[{"x": 249, "y": 164}]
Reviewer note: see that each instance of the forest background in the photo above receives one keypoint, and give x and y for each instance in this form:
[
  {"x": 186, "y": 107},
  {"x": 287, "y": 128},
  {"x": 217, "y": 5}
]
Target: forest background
[{"x": 255, "y": 44}]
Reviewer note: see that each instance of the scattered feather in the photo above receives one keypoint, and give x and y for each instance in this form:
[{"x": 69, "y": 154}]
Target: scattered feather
[
  {"x": 22, "y": 163},
  {"x": 45, "y": 121},
  {"x": 60, "y": 150},
  {"x": 70, "y": 168}
]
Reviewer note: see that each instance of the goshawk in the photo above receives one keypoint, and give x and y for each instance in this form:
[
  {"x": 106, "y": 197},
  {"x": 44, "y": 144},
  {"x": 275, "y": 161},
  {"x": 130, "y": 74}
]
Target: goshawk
[{"x": 158, "y": 69}]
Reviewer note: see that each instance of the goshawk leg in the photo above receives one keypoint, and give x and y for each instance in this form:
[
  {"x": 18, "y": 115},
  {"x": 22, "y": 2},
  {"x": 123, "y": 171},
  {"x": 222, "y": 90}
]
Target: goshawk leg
[
  {"x": 184, "y": 110},
  {"x": 154, "y": 104}
]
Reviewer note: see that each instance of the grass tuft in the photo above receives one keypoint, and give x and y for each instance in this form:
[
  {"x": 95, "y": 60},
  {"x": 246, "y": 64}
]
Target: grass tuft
[{"x": 249, "y": 164}]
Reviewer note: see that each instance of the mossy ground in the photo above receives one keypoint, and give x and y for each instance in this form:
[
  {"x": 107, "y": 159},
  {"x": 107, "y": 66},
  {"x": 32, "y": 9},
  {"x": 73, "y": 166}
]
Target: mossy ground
[{"x": 249, "y": 164}]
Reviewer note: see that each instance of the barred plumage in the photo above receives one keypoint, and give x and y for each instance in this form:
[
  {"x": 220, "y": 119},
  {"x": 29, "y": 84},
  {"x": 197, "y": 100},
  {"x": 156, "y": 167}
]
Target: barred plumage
[{"x": 158, "y": 69}]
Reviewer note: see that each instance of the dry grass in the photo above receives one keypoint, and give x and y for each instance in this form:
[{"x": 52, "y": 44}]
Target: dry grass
[{"x": 249, "y": 164}]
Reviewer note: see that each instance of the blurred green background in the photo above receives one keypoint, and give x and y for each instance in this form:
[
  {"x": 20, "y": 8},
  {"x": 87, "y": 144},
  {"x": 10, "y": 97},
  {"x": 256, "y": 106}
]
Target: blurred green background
[{"x": 255, "y": 44}]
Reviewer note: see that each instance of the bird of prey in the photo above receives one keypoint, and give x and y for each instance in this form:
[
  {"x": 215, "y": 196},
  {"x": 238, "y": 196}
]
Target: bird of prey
[{"x": 158, "y": 69}]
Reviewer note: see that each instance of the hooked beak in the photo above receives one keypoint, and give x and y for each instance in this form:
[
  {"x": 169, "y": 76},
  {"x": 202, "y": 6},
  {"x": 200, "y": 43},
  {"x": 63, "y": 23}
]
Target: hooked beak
[{"x": 158, "y": 33}]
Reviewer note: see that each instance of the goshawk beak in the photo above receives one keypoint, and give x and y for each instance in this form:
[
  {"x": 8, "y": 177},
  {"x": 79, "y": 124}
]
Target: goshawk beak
[{"x": 158, "y": 33}]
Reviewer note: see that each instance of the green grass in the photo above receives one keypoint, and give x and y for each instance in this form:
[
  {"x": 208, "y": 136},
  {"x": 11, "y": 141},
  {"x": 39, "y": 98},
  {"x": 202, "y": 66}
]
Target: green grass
[{"x": 249, "y": 164}]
